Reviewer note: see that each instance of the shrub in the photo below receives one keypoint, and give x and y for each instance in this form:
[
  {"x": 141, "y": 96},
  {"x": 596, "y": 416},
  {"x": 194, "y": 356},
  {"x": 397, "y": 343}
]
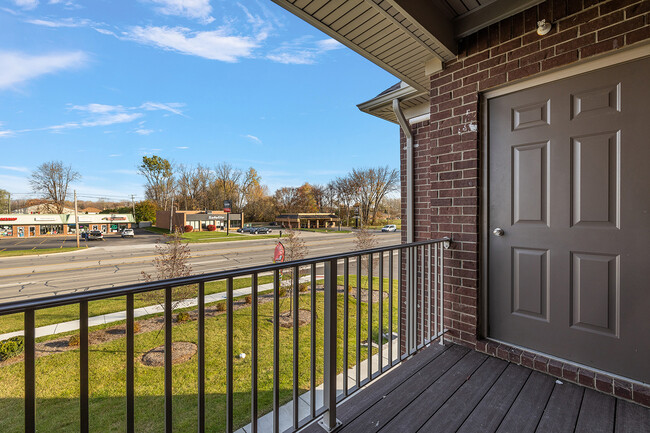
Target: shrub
[
  {"x": 188, "y": 228},
  {"x": 183, "y": 316},
  {"x": 283, "y": 292},
  {"x": 74, "y": 340},
  {"x": 212, "y": 228},
  {"x": 136, "y": 327},
  {"x": 249, "y": 299},
  {"x": 11, "y": 347},
  {"x": 221, "y": 306},
  {"x": 303, "y": 287}
]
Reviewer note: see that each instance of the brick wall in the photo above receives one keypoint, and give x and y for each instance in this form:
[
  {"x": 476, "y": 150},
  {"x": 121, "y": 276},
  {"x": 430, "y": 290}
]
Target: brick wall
[{"x": 447, "y": 196}]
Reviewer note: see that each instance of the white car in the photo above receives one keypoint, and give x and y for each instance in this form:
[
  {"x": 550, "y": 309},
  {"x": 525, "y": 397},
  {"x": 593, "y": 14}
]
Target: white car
[
  {"x": 389, "y": 228},
  {"x": 128, "y": 233}
]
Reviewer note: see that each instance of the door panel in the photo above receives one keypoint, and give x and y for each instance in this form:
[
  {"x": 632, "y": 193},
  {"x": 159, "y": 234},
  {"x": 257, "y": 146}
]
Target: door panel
[{"x": 569, "y": 183}]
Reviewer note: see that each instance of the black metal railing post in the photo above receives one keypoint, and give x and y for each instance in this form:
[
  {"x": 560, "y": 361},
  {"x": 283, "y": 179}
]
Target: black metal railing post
[
  {"x": 329, "y": 421},
  {"x": 30, "y": 372}
]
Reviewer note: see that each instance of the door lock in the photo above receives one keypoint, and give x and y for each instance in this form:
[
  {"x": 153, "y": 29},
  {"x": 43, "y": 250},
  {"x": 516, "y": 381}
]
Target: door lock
[{"x": 498, "y": 231}]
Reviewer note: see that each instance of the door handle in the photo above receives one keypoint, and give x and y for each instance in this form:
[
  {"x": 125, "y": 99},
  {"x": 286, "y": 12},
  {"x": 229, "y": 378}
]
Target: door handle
[{"x": 498, "y": 231}]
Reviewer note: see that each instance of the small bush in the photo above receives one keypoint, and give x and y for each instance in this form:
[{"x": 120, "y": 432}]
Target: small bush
[
  {"x": 74, "y": 340},
  {"x": 283, "y": 292},
  {"x": 183, "y": 316},
  {"x": 303, "y": 287},
  {"x": 221, "y": 306},
  {"x": 212, "y": 228},
  {"x": 136, "y": 327},
  {"x": 11, "y": 347},
  {"x": 188, "y": 228},
  {"x": 249, "y": 299}
]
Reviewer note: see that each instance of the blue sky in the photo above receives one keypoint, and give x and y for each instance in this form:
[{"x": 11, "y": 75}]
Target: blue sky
[{"x": 98, "y": 84}]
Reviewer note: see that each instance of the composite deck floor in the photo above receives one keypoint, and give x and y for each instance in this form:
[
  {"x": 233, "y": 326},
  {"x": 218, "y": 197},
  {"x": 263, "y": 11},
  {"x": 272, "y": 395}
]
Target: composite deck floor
[{"x": 454, "y": 389}]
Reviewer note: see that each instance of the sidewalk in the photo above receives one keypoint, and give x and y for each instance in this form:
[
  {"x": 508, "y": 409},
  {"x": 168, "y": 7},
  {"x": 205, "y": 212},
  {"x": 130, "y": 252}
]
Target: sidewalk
[{"x": 73, "y": 325}]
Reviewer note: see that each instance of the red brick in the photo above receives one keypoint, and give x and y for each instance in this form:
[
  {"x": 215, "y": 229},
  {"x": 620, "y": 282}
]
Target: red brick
[
  {"x": 504, "y": 48},
  {"x": 471, "y": 61},
  {"x": 541, "y": 363},
  {"x": 555, "y": 368},
  {"x": 497, "y": 80},
  {"x": 470, "y": 88},
  {"x": 480, "y": 76},
  {"x": 523, "y": 72},
  {"x": 536, "y": 57},
  {"x": 581, "y": 18},
  {"x": 451, "y": 86},
  {"x": 465, "y": 72},
  {"x": 528, "y": 360},
  {"x": 500, "y": 69},
  {"x": 641, "y": 394},
  {"x": 503, "y": 353},
  {"x": 637, "y": 9},
  {"x": 604, "y": 383},
  {"x": 559, "y": 9},
  {"x": 618, "y": 29},
  {"x": 558, "y": 38},
  {"x": 530, "y": 19},
  {"x": 601, "y": 23},
  {"x": 575, "y": 43},
  {"x": 518, "y": 24},
  {"x": 569, "y": 372},
  {"x": 441, "y": 80},
  {"x": 561, "y": 60},
  {"x": 638, "y": 35},
  {"x": 524, "y": 51},
  {"x": 491, "y": 62},
  {"x": 482, "y": 39},
  {"x": 493, "y": 35},
  {"x": 622, "y": 389},
  {"x": 601, "y": 47},
  {"x": 613, "y": 5}
]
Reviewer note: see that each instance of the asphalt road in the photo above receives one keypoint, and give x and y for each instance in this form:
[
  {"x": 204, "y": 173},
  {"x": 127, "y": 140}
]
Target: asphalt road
[
  {"x": 13, "y": 244},
  {"x": 119, "y": 261}
]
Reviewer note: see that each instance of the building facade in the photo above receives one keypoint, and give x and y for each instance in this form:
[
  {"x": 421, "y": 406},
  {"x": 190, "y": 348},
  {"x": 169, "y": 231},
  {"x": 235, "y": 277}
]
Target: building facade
[
  {"x": 308, "y": 220},
  {"x": 34, "y": 225},
  {"x": 200, "y": 220}
]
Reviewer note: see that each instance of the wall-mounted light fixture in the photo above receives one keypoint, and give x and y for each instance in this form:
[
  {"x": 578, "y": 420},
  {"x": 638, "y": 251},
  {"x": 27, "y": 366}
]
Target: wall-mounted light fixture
[{"x": 543, "y": 27}]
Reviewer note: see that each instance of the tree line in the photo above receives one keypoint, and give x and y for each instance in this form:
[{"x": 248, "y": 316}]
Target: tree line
[{"x": 363, "y": 192}]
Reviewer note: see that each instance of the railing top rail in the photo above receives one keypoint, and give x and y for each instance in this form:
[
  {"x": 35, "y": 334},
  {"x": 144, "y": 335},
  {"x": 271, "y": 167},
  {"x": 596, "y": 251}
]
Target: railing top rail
[{"x": 111, "y": 292}]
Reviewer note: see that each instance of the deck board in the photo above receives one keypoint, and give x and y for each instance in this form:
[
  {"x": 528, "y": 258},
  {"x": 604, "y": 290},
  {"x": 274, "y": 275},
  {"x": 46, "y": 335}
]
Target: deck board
[{"x": 453, "y": 389}]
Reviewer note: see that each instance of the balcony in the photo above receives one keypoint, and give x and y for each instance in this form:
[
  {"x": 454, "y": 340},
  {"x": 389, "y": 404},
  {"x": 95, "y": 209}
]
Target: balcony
[{"x": 353, "y": 342}]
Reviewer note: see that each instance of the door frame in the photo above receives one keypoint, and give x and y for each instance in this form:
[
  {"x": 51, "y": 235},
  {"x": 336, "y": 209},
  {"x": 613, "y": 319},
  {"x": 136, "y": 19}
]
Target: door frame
[{"x": 624, "y": 55}]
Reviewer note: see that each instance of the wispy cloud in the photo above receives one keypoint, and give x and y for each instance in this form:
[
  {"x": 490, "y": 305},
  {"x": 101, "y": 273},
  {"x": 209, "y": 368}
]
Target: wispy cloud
[
  {"x": 253, "y": 138},
  {"x": 26, "y": 4},
  {"x": 143, "y": 131},
  {"x": 213, "y": 45},
  {"x": 19, "y": 67},
  {"x": 63, "y": 22},
  {"x": 194, "y": 9},
  {"x": 182, "y": 147},
  {"x": 302, "y": 51},
  {"x": 172, "y": 107},
  {"x": 11, "y": 168}
]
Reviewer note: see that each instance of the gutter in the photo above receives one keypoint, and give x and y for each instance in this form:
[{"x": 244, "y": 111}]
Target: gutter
[{"x": 406, "y": 128}]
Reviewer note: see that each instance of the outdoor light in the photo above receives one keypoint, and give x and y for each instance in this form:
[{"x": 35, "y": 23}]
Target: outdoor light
[{"x": 543, "y": 27}]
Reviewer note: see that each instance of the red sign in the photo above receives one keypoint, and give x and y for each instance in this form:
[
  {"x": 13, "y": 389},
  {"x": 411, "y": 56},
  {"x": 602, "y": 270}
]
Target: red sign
[
  {"x": 226, "y": 209},
  {"x": 8, "y": 219},
  {"x": 278, "y": 256}
]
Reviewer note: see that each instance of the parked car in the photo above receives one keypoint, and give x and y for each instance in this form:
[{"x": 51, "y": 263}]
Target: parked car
[
  {"x": 95, "y": 235},
  {"x": 248, "y": 230},
  {"x": 389, "y": 228},
  {"x": 128, "y": 233},
  {"x": 262, "y": 230}
]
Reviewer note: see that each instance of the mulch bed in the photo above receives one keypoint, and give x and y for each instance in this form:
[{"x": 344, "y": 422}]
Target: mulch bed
[{"x": 182, "y": 351}]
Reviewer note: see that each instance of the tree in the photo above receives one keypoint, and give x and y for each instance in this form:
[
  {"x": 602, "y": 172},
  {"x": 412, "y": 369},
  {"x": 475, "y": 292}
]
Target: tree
[
  {"x": 145, "y": 211},
  {"x": 5, "y": 201},
  {"x": 51, "y": 180},
  {"x": 372, "y": 185},
  {"x": 160, "y": 180}
]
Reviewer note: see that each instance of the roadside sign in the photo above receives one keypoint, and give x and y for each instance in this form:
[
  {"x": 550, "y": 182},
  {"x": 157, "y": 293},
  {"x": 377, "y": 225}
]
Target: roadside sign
[
  {"x": 278, "y": 255},
  {"x": 227, "y": 205}
]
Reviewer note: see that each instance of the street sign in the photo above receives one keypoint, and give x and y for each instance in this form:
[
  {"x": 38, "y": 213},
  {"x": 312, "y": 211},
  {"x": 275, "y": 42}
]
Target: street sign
[
  {"x": 227, "y": 205},
  {"x": 278, "y": 255}
]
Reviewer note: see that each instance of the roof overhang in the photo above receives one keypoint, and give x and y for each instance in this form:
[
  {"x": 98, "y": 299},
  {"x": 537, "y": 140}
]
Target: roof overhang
[{"x": 414, "y": 103}]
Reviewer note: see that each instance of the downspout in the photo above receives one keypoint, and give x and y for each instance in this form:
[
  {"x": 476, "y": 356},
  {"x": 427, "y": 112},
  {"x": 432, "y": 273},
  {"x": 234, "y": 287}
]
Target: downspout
[{"x": 406, "y": 128}]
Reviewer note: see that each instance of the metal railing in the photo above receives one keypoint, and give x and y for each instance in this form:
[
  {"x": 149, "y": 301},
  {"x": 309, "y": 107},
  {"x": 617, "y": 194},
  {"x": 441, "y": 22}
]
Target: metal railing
[{"x": 409, "y": 278}]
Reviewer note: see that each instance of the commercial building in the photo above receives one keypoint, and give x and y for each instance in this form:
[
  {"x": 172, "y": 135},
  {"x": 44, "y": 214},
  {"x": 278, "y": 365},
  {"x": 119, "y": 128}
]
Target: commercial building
[
  {"x": 26, "y": 225},
  {"x": 200, "y": 220},
  {"x": 308, "y": 220}
]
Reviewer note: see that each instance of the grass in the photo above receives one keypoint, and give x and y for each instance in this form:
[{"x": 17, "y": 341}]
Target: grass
[
  {"x": 216, "y": 236},
  {"x": 48, "y": 316},
  {"x": 58, "y": 379},
  {"x": 32, "y": 252}
]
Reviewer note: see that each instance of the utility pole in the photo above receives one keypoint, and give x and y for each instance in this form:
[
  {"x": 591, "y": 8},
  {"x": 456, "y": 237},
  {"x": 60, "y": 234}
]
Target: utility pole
[
  {"x": 133, "y": 204},
  {"x": 171, "y": 216},
  {"x": 76, "y": 220}
]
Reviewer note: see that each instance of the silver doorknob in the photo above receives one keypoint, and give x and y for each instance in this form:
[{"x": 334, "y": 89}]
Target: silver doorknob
[{"x": 498, "y": 231}]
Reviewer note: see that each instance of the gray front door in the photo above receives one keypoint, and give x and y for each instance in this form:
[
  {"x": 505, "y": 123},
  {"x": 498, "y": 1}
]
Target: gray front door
[{"x": 569, "y": 184}]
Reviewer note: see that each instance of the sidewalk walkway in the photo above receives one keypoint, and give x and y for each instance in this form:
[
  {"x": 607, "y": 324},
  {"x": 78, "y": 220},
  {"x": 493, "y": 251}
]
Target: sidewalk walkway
[{"x": 73, "y": 325}]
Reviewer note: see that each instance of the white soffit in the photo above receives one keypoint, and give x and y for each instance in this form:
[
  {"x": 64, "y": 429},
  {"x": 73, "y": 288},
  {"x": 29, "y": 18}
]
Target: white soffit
[{"x": 413, "y": 102}]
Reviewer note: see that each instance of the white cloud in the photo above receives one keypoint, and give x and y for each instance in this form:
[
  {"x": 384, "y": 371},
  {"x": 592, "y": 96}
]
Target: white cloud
[
  {"x": 172, "y": 107},
  {"x": 18, "y": 67},
  {"x": 213, "y": 45},
  {"x": 302, "y": 51},
  {"x": 105, "y": 32},
  {"x": 6, "y": 133},
  {"x": 253, "y": 138},
  {"x": 12, "y": 168},
  {"x": 101, "y": 120},
  {"x": 194, "y": 9},
  {"x": 98, "y": 108},
  {"x": 26, "y": 4},
  {"x": 182, "y": 147},
  {"x": 64, "y": 22},
  {"x": 143, "y": 131}
]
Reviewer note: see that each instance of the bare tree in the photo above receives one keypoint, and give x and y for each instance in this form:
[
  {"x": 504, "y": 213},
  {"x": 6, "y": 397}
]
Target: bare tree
[
  {"x": 294, "y": 249},
  {"x": 160, "y": 180},
  {"x": 51, "y": 180},
  {"x": 372, "y": 185}
]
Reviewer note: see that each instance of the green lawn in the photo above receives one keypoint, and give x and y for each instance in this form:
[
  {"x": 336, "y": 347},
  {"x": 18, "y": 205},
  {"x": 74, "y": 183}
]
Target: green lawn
[
  {"x": 34, "y": 252},
  {"x": 200, "y": 237},
  {"x": 58, "y": 379}
]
